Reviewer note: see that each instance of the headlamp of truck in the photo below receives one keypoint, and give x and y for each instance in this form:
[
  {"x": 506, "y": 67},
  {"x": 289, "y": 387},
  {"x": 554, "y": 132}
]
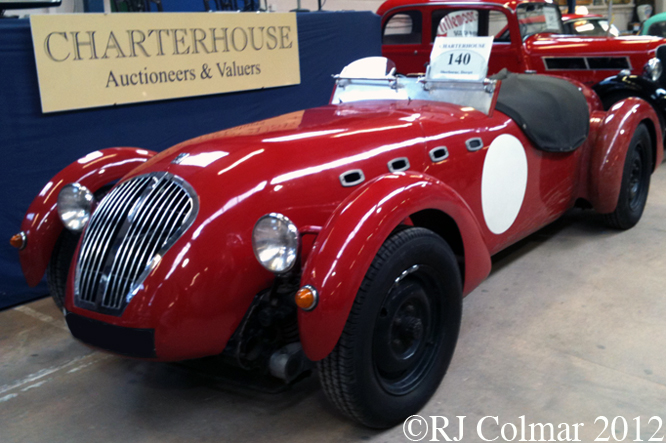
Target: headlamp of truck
[
  {"x": 74, "y": 206},
  {"x": 275, "y": 242},
  {"x": 653, "y": 69}
]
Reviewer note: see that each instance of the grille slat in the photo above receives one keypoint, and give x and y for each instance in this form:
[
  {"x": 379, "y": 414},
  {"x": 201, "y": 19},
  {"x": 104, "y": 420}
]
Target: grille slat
[
  {"x": 137, "y": 220},
  {"x": 126, "y": 249},
  {"x": 105, "y": 232},
  {"x": 99, "y": 229},
  {"x": 149, "y": 246},
  {"x": 92, "y": 251},
  {"x": 88, "y": 248},
  {"x": 189, "y": 205}
]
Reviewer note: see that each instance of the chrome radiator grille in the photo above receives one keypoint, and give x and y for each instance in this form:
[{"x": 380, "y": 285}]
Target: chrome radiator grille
[{"x": 132, "y": 227}]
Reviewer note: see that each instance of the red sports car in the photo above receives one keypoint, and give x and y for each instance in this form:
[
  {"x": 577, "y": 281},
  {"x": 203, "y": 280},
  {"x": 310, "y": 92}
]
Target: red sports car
[{"x": 345, "y": 235}]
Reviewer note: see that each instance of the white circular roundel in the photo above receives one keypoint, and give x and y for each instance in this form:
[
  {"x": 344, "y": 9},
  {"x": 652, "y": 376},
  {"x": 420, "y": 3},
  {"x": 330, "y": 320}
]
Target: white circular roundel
[{"x": 503, "y": 182}]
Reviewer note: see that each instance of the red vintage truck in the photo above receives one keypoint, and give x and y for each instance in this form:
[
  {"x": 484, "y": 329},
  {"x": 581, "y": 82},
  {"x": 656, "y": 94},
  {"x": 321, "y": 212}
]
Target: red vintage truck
[{"x": 528, "y": 38}]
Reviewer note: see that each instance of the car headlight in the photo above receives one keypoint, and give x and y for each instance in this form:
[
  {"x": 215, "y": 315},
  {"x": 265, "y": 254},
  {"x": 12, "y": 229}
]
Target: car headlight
[
  {"x": 275, "y": 242},
  {"x": 74, "y": 206},
  {"x": 653, "y": 69}
]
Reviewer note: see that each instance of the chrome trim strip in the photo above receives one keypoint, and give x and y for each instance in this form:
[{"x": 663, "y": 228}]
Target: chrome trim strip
[{"x": 544, "y": 59}]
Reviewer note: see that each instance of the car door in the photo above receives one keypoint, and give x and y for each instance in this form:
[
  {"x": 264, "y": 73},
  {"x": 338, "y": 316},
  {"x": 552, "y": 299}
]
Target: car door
[
  {"x": 403, "y": 40},
  {"x": 507, "y": 49},
  {"x": 512, "y": 187}
]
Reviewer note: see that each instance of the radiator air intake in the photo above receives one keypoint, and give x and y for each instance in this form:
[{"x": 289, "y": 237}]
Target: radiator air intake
[{"x": 133, "y": 226}]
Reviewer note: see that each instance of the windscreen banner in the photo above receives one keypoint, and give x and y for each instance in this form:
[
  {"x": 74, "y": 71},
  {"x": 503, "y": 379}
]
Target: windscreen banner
[{"x": 92, "y": 60}]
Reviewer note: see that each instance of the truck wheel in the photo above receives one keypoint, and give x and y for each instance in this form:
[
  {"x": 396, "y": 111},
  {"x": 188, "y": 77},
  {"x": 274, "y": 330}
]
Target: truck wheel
[
  {"x": 58, "y": 268},
  {"x": 401, "y": 332},
  {"x": 635, "y": 182}
]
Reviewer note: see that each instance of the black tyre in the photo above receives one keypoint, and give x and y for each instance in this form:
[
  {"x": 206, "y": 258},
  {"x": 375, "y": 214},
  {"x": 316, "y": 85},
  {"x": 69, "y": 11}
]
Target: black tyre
[
  {"x": 400, "y": 334},
  {"x": 62, "y": 255},
  {"x": 58, "y": 268},
  {"x": 635, "y": 182}
]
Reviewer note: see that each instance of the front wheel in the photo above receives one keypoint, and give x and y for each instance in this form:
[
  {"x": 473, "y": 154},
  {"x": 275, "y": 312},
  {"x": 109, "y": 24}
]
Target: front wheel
[
  {"x": 62, "y": 255},
  {"x": 58, "y": 268},
  {"x": 635, "y": 182},
  {"x": 401, "y": 332}
]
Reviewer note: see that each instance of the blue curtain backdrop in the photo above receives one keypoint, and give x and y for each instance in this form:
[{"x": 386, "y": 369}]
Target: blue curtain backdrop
[{"x": 36, "y": 146}]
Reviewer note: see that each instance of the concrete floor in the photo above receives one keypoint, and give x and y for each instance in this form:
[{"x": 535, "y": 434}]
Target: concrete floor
[{"x": 568, "y": 327}]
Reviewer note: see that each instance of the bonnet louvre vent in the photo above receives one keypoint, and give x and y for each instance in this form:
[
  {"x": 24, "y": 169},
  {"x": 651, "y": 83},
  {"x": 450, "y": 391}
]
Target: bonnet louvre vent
[{"x": 352, "y": 178}]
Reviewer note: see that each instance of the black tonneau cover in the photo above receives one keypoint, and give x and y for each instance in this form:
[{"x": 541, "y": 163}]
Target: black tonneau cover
[{"x": 552, "y": 112}]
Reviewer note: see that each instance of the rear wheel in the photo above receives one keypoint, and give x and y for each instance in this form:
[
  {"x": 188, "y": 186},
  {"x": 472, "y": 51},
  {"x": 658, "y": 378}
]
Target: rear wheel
[
  {"x": 635, "y": 182},
  {"x": 401, "y": 332}
]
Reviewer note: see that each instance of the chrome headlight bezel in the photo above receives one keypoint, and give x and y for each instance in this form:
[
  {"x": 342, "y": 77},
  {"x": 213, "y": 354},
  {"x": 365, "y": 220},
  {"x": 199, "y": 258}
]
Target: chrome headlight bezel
[
  {"x": 75, "y": 206},
  {"x": 653, "y": 69},
  {"x": 275, "y": 242}
]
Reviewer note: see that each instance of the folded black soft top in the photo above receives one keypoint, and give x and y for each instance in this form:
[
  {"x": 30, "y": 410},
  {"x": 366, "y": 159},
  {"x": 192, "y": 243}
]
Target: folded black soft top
[{"x": 551, "y": 111}]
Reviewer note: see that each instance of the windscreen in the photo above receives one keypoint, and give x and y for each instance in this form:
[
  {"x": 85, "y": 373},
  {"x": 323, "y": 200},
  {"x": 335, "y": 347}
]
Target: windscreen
[
  {"x": 538, "y": 17},
  {"x": 593, "y": 27}
]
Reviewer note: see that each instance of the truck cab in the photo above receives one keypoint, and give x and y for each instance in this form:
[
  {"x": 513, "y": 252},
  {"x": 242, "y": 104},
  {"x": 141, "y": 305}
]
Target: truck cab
[{"x": 528, "y": 37}]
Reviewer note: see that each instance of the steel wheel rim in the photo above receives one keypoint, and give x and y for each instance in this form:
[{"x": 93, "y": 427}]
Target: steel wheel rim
[
  {"x": 408, "y": 330},
  {"x": 636, "y": 179}
]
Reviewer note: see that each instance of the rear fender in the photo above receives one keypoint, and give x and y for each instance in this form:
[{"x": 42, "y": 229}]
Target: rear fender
[
  {"x": 41, "y": 223},
  {"x": 636, "y": 86},
  {"x": 614, "y": 132},
  {"x": 352, "y": 236}
]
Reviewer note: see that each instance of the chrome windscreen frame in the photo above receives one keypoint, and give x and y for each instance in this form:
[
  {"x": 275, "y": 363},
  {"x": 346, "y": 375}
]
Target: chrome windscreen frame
[{"x": 470, "y": 93}]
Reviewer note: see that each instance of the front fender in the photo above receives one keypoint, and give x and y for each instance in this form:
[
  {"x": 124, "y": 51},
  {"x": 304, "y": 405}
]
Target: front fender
[
  {"x": 41, "y": 223},
  {"x": 352, "y": 236},
  {"x": 615, "y": 130}
]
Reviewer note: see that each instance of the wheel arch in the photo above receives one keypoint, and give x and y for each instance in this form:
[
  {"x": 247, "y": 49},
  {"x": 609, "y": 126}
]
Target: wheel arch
[
  {"x": 446, "y": 227},
  {"x": 41, "y": 224},
  {"x": 353, "y": 235},
  {"x": 615, "y": 132},
  {"x": 650, "y": 125}
]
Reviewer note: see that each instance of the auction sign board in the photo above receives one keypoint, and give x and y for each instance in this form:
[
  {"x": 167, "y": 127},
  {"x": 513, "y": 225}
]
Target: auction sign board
[{"x": 90, "y": 60}]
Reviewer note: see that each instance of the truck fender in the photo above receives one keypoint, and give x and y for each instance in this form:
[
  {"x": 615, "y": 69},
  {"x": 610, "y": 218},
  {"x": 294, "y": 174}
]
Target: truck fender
[
  {"x": 615, "y": 130},
  {"x": 634, "y": 86},
  {"x": 42, "y": 225},
  {"x": 352, "y": 236}
]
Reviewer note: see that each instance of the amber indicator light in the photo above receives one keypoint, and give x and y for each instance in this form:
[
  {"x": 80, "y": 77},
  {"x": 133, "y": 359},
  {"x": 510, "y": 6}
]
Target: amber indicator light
[
  {"x": 306, "y": 298},
  {"x": 17, "y": 241}
]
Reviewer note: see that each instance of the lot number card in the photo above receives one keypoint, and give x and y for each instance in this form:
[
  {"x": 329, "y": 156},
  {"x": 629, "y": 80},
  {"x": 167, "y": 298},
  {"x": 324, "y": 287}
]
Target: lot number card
[{"x": 460, "y": 58}]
